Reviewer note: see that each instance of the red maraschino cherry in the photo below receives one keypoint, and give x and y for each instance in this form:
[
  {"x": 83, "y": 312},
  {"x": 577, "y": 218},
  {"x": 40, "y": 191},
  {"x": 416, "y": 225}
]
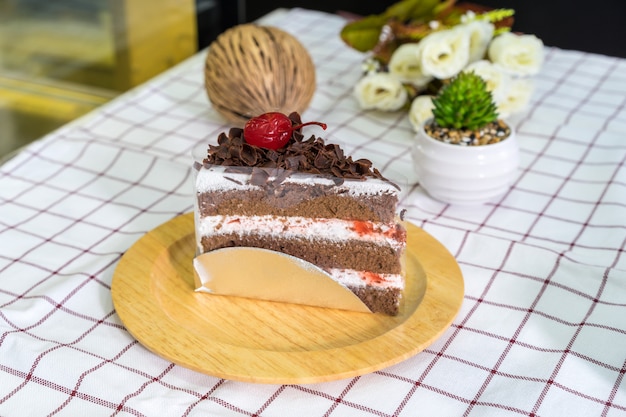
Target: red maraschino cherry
[{"x": 271, "y": 130}]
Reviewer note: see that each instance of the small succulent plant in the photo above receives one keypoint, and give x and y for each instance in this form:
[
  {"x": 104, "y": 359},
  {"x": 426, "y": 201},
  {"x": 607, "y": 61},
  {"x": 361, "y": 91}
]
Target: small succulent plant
[{"x": 465, "y": 103}]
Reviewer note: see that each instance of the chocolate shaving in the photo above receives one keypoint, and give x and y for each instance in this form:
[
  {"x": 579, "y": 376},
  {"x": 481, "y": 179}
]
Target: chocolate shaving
[
  {"x": 293, "y": 162},
  {"x": 280, "y": 176},
  {"x": 248, "y": 155},
  {"x": 222, "y": 138},
  {"x": 259, "y": 177},
  {"x": 233, "y": 180},
  {"x": 310, "y": 156},
  {"x": 322, "y": 161}
]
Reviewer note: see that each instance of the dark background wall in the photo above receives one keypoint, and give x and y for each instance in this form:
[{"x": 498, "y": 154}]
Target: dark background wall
[{"x": 598, "y": 26}]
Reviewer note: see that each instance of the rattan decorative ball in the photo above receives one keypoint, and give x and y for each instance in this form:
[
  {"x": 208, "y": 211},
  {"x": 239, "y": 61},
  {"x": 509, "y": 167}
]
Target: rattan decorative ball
[{"x": 251, "y": 70}]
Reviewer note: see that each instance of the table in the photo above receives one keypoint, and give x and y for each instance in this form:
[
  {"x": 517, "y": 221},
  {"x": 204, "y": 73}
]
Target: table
[{"x": 542, "y": 327}]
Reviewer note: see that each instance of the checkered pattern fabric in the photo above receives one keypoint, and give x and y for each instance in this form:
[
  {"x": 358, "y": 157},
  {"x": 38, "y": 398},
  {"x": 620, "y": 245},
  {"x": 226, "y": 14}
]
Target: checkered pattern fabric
[{"x": 542, "y": 328}]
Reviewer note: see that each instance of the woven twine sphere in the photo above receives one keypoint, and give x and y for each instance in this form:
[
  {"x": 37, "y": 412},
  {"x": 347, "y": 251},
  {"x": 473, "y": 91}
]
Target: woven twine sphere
[{"x": 251, "y": 70}]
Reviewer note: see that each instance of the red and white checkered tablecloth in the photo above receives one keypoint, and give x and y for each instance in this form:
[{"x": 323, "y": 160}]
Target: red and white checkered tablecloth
[{"x": 542, "y": 327}]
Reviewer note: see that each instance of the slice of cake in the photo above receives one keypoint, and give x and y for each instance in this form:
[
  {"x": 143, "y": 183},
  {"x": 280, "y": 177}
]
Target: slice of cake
[{"x": 306, "y": 199}]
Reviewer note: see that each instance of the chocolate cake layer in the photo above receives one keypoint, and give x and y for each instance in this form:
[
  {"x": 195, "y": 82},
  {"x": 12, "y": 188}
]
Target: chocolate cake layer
[
  {"x": 298, "y": 200},
  {"x": 379, "y": 300},
  {"x": 351, "y": 254}
]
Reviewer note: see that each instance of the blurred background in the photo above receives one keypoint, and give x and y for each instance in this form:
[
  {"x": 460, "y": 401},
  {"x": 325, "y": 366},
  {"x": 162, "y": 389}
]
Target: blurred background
[
  {"x": 569, "y": 24},
  {"x": 60, "y": 59}
]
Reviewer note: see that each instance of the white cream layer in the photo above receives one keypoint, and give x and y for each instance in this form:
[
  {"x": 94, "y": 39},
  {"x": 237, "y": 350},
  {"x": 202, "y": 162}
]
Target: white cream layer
[
  {"x": 215, "y": 178},
  {"x": 314, "y": 229},
  {"x": 352, "y": 278}
]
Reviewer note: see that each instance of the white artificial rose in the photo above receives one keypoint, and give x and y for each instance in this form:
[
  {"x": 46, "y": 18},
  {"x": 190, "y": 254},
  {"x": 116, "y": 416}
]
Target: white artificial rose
[
  {"x": 380, "y": 91},
  {"x": 445, "y": 53},
  {"x": 517, "y": 97},
  {"x": 496, "y": 79},
  {"x": 405, "y": 64},
  {"x": 520, "y": 55},
  {"x": 420, "y": 111},
  {"x": 480, "y": 35}
]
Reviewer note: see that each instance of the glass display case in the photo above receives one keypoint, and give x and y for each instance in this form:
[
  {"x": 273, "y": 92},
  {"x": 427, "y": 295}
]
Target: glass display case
[{"x": 60, "y": 59}]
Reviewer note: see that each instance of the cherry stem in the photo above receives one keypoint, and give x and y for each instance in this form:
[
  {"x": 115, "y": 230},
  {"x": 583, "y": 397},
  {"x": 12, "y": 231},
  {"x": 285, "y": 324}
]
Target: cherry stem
[{"x": 300, "y": 126}]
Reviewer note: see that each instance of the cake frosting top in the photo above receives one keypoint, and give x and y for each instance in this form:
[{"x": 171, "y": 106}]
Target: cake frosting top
[{"x": 312, "y": 155}]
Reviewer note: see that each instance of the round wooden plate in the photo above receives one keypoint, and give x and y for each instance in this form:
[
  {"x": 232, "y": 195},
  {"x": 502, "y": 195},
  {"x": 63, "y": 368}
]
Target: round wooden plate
[{"x": 279, "y": 343}]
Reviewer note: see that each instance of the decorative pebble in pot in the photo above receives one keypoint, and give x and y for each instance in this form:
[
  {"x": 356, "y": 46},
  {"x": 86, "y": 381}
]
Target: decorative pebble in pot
[{"x": 465, "y": 154}]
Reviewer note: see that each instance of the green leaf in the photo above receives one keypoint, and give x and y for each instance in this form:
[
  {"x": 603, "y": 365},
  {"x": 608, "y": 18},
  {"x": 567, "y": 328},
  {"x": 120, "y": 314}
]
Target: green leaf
[
  {"x": 363, "y": 34},
  {"x": 496, "y": 15},
  {"x": 414, "y": 10}
]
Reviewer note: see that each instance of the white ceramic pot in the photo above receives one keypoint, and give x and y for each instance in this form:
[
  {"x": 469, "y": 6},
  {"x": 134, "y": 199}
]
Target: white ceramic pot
[{"x": 458, "y": 174}]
